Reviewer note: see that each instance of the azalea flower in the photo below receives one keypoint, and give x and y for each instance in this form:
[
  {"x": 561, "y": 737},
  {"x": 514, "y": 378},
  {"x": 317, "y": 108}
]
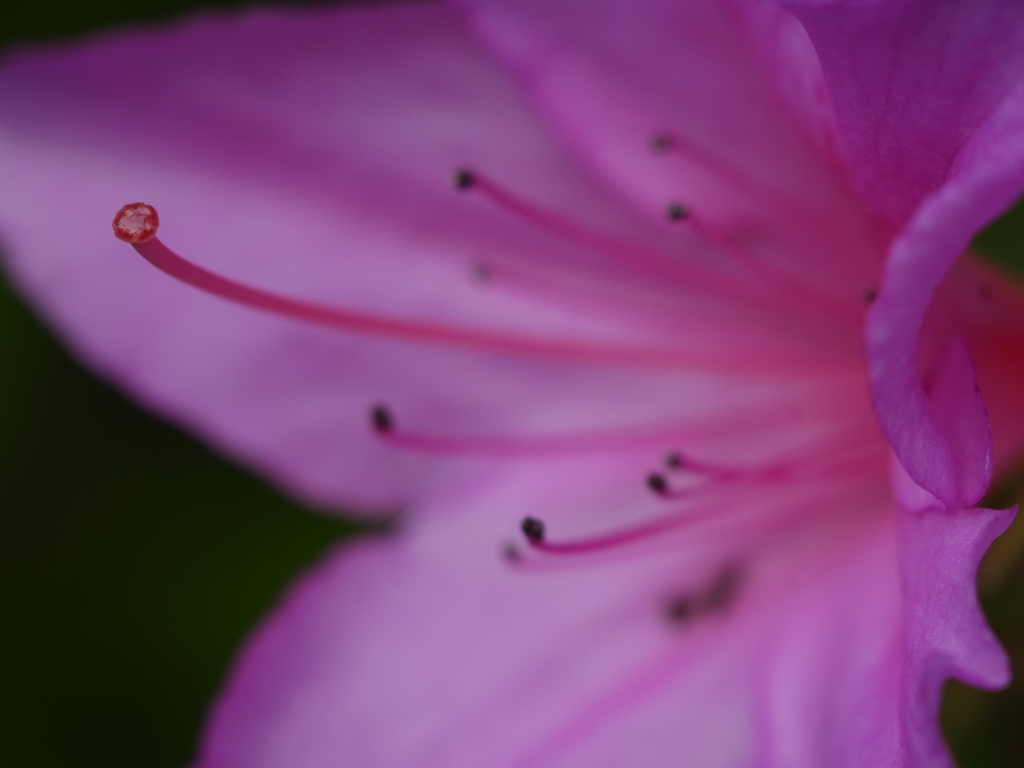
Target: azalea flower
[{"x": 681, "y": 391}]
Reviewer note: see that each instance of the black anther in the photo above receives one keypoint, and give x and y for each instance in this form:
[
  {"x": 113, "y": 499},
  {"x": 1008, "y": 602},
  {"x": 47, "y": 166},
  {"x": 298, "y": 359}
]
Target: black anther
[
  {"x": 381, "y": 419},
  {"x": 657, "y": 483},
  {"x": 511, "y": 553},
  {"x": 722, "y": 590},
  {"x": 463, "y": 179},
  {"x": 661, "y": 143},
  {"x": 676, "y": 211},
  {"x": 680, "y": 608},
  {"x": 533, "y": 529}
]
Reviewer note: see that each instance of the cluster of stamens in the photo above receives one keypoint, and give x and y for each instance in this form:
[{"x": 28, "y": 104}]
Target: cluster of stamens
[{"x": 137, "y": 224}]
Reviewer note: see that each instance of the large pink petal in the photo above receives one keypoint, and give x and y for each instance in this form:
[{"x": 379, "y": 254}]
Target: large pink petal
[
  {"x": 930, "y": 106},
  {"x": 429, "y": 651},
  {"x": 310, "y": 153},
  {"x": 910, "y": 81},
  {"x": 987, "y": 176},
  {"x": 946, "y": 632},
  {"x": 988, "y": 310},
  {"x": 739, "y": 87}
]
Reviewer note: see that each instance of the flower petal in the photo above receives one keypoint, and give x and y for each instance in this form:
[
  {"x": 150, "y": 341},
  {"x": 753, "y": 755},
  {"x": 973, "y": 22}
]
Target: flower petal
[
  {"x": 429, "y": 651},
  {"x": 910, "y": 82},
  {"x": 738, "y": 89},
  {"x": 987, "y": 176},
  {"x": 947, "y": 635},
  {"x": 311, "y": 153},
  {"x": 930, "y": 107}
]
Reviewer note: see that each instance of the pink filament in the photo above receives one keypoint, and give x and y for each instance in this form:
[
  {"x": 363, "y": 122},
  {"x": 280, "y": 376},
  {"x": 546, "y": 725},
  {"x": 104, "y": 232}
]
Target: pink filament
[
  {"x": 621, "y": 537},
  {"x": 528, "y": 445}
]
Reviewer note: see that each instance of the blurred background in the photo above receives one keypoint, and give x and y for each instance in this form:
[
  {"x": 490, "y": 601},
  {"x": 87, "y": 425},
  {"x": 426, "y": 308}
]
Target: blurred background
[{"x": 134, "y": 561}]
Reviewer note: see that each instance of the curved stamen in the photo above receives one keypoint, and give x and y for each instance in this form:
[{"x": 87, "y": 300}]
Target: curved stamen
[
  {"x": 536, "y": 536},
  {"x": 164, "y": 259},
  {"x": 383, "y": 421}
]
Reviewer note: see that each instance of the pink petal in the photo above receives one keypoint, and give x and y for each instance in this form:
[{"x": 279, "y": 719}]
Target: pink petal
[
  {"x": 930, "y": 108},
  {"x": 311, "y": 153},
  {"x": 429, "y": 651},
  {"x": 947, "y": 635},
  {"x": 988, "y": 175},
  {"x": 736, "y": 83},
  {"x": 910, "y": 82},
  {"x": 988, "y": 309}
]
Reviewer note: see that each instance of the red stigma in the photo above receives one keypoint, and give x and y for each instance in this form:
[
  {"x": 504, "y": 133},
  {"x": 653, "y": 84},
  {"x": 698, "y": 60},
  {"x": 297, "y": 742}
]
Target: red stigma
[{"x": 136, "y": 223}]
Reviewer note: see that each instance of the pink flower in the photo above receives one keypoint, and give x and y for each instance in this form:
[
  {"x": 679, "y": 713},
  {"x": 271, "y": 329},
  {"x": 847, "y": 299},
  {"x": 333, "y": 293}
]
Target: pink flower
[{"x": 638, "y": 320}]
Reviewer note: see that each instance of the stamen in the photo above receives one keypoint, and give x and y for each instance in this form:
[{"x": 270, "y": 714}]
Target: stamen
[
  {"x": 535, "y": 536},
  {"x": 658, "y": 484},
  {"x": 530, "y": 445},
  {"x": 533, "y": 529},
  {"x": 674, "y": 460},
  {"x": 137, "y": 223},
  {"x": 463, "y": 179},
  {"x": 722, "y": 590},
  {"x": 676, "y": 211},
  {"x": 482, "y": 272},
  {"x": 683, "y": 607},
  {"x": 381, "y": 419},
  {"x": 660, "y": 143},
  {"x": 680, "y": 608}
]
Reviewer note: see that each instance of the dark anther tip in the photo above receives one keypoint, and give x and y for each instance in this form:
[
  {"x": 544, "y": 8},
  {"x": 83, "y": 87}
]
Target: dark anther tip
[
  {"x": 674, "y": 460},
  {"x": 511, "y": 553},
  {"x": 463, "y": 179},
  {"x": 381, "y": 419},
  {"x": 869, "y": 296},
  {"x": 661, "y": 143},
  {"x": 482, "y": 272},
  {"x": 679, "y": 609},
  {"x": 657, "y": 483},
  {"x": 676, "y": 211},
  {"x": 533, "y": 529},
  {"x": 722, "y": 591}
]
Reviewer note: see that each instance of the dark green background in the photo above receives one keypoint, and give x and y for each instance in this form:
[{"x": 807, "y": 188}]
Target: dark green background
[{"x": 134, "y": 560}]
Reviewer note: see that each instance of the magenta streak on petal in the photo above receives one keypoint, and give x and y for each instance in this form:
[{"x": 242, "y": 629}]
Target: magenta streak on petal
[
  {"x": 631, "y": 690},
  {"x": 160, "y": 256}
]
